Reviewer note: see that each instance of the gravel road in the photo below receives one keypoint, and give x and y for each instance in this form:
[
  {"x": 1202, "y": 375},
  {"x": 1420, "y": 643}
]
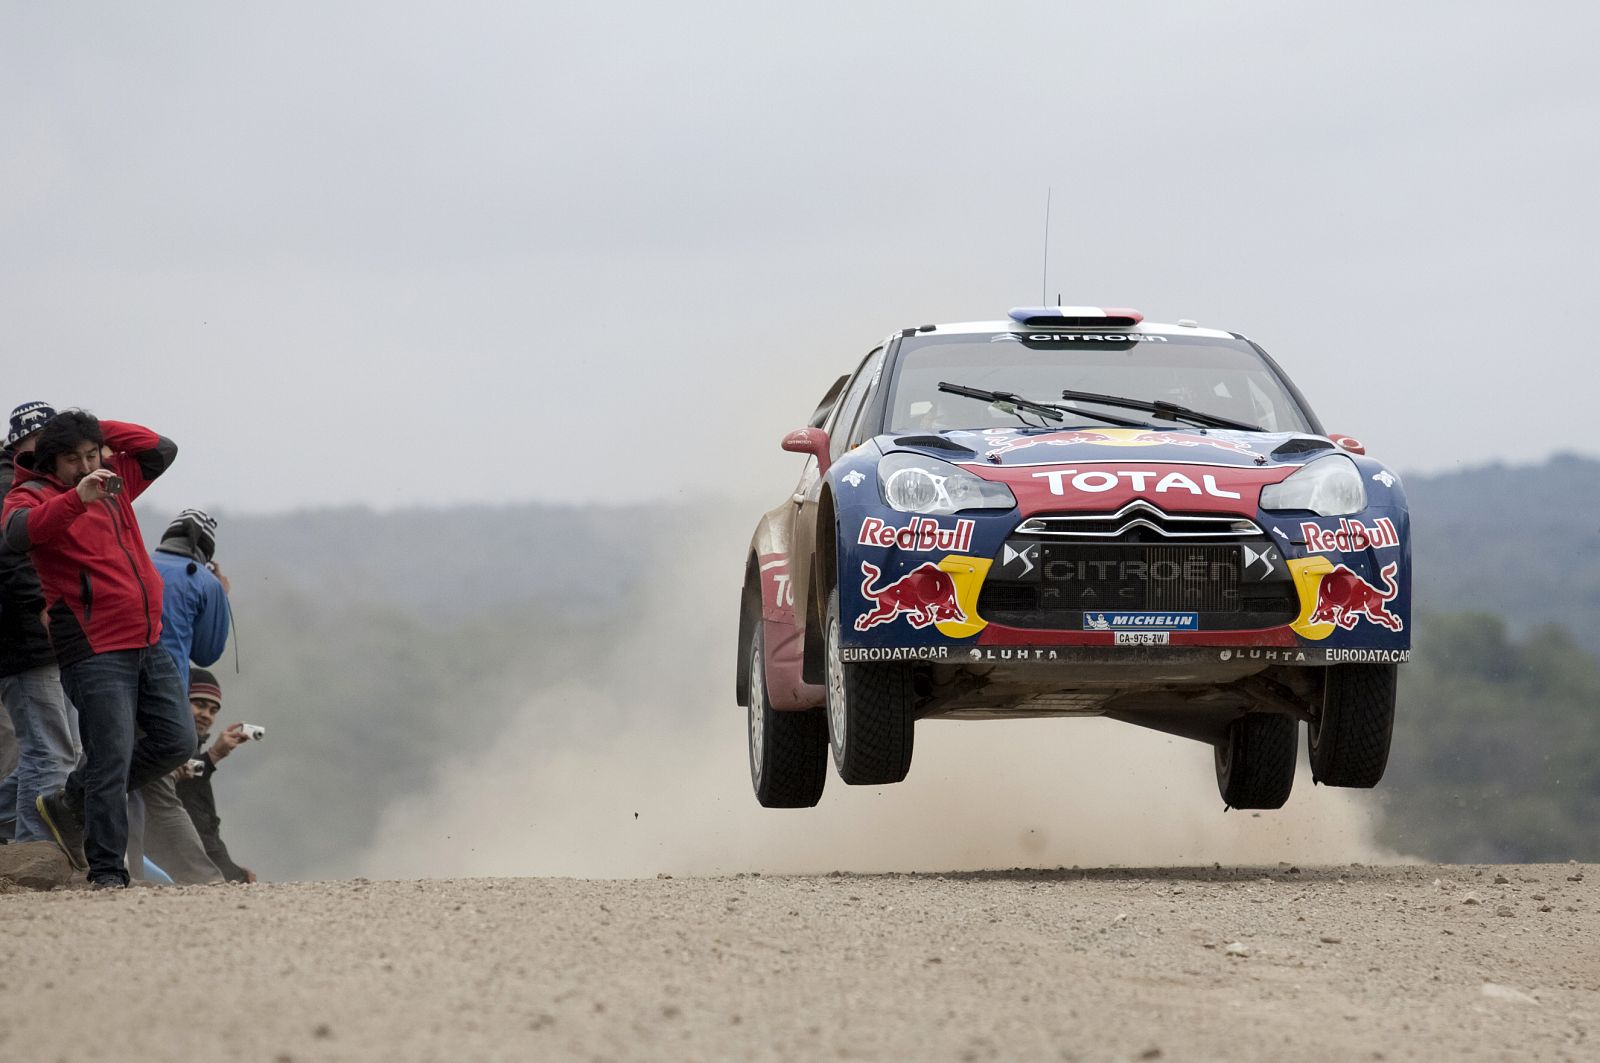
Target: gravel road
[{"x": 1313, "y": 963}]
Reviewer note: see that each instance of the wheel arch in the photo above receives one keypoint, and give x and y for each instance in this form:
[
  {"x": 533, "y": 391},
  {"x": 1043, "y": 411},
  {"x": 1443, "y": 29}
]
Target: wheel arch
[
  {"x": 824, "y": 575},
  {"x": 749, "y": 617}
]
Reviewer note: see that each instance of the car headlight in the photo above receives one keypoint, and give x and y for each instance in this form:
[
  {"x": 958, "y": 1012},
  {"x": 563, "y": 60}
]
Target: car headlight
[
  {"x": 1328, "y": 487},
  {"x": 912, "y": 483}
]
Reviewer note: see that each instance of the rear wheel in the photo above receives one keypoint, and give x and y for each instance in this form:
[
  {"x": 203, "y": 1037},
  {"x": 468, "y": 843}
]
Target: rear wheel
[
  {"x": 870, "y": 719},
  {"x": 1349, "y": 738},
  {"x": 788, "y": 750},
  {"x": 1255, "y": 760}
]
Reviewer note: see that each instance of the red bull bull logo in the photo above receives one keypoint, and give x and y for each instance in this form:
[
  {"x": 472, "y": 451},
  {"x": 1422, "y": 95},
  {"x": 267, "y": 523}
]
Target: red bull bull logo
[
  {"x": 926, "y": 594},
  {"x": 1344, "y": 599},
  {"x": 1117, "y": 437},
  {"x": 1184, "y": 439},
  {"x": 1053, "y": 439}
]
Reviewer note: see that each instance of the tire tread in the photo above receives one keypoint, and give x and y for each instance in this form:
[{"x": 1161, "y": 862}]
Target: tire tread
[{"x": 1352, "y": 741}]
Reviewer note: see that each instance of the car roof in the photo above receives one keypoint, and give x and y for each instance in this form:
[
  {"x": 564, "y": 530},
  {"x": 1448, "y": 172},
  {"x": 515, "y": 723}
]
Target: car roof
[{"x": 989, "y": 328}]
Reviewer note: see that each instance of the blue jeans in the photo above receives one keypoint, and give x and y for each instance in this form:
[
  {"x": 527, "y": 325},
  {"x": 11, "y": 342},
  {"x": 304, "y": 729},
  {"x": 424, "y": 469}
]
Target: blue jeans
[
  {"x": 137, "y": 726},
  {"x": 47, "y": 745}
]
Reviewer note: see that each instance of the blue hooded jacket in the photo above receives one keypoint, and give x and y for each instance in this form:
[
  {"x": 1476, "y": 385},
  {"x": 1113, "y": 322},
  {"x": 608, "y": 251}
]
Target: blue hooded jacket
[{"x": 194, "y": 609}]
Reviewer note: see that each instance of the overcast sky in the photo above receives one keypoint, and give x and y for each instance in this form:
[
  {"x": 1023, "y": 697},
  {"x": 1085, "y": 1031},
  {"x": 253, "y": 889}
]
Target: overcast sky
[{"x": 397, "y": 254}]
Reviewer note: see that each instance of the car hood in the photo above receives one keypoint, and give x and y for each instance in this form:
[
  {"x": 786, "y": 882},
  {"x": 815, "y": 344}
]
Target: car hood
[{"x": 1022, "y": 446}]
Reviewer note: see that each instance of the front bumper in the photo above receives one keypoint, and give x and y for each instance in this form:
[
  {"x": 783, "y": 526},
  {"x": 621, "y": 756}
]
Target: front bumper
[{"x": 1282, "y": 598}]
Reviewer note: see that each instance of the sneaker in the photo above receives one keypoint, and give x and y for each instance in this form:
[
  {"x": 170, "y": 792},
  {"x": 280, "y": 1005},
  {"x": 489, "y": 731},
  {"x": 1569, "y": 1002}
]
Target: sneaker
[
  {"x": 65, "y": 826},
  {"x": 108, "y": 882}
]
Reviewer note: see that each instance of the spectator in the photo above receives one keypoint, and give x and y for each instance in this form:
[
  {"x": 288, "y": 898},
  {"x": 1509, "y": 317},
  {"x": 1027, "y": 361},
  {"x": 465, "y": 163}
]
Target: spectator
[
  {"x": 76, "y": 516},
  {"x": 205, "y": 699},
  {"x": 194, "y": 597},
  {"x": 30, "y": 681},
  {"x": 194, "y": 625},
  {"x": 8, "y": 766}
]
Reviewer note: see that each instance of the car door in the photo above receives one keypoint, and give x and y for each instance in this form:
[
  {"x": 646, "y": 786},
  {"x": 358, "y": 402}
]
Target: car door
[{"x": 841, "y": 423}]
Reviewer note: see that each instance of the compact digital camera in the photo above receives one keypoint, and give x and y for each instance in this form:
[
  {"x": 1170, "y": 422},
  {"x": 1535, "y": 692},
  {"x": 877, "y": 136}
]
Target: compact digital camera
[
  {"x": 254, "y": 732},
  {"x": 197, "y": 766}
]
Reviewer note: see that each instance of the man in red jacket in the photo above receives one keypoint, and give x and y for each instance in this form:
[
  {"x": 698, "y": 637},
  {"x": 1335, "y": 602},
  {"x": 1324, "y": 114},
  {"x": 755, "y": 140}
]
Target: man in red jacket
[{"x": 74, "y": 514}]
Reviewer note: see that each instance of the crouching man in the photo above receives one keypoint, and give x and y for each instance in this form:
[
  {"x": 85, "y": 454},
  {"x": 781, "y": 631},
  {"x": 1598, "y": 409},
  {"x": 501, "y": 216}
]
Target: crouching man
[
  {"x": 74, "y": 515},
  {"x": 194, "y": 786}
]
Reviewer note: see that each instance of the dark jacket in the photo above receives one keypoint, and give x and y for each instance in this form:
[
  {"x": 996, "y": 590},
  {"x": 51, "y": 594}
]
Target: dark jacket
[
  {"x": 101, "y": 591},
  {"x": 24, "y": 645},
  {"x": 201, "y": 805}
]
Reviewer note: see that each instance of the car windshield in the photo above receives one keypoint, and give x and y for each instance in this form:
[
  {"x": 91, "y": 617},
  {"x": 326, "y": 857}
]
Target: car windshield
[{"x": 1225, "y": 377}]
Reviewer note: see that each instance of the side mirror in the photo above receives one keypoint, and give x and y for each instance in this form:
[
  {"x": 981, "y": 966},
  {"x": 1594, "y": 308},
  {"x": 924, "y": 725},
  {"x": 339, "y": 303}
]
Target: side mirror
[
  {"x": 813, "y": 441},
  {"x": 1350, "y": 443}
]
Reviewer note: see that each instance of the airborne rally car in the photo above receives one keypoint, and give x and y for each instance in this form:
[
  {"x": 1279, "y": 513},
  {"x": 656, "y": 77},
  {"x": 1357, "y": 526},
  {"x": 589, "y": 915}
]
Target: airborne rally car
[{"x": 1075, "y": 512}]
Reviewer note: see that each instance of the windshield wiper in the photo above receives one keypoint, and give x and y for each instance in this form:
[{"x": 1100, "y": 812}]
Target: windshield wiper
[
  {"x": 1169, "y": 411},
  {"x": 1047, "y": 410}
]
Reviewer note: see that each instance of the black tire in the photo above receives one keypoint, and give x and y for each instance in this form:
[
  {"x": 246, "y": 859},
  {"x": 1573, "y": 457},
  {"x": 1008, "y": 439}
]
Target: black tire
[
  {"x": 1349, "y": 738},
  {"x": 1255, "y": 760},
  {"x": 870, "y": 718},
  {"x": 788, "y": 750}
]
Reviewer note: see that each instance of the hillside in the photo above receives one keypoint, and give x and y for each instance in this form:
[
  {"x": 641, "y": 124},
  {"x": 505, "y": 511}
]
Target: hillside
[{"x": 384, "y": 652}]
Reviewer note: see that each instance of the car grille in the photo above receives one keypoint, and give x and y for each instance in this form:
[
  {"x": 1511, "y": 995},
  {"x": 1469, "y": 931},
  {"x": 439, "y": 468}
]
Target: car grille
[
  {"x": 1136, "y": 522},
  {"x": 1139, "y": 561}
]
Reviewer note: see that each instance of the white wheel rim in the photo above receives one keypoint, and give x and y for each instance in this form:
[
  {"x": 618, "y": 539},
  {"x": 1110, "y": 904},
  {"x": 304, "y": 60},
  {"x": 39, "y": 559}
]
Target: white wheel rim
[
  {"x": 836, "y": 713},
  {"x": 758, "y": 718}
]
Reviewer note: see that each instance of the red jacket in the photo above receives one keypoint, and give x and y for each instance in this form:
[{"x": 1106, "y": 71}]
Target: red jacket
[{"x": 101, "y": 590}]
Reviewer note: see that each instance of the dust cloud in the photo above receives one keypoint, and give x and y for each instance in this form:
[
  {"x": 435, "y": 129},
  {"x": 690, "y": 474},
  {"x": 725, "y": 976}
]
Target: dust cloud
[{"x": 643, "y": 770}]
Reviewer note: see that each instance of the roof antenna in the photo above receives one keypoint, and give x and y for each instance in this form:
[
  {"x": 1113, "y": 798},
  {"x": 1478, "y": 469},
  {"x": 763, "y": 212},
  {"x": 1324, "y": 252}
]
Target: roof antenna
[{"x": 1044, "y": 281}]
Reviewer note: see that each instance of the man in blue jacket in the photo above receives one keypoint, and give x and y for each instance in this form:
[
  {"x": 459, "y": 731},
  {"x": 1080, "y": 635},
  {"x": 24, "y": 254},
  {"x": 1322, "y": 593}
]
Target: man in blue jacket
[
  {"x": 194, "y": 627},
  {"x": 194, "y": 600}
]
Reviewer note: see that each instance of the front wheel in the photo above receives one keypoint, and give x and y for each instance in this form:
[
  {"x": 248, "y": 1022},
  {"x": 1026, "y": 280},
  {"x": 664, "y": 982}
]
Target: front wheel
[
  {"x": 870, "y": 717},
  {"x": 788, "y": 750},
  {"x": 1349, "y": 738},
  {"x": 1255, "y": 760}
]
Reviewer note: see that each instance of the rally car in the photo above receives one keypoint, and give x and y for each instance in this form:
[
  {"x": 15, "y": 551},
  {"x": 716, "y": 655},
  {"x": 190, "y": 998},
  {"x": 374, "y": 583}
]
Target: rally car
[{"x": 1075, "y": 512}]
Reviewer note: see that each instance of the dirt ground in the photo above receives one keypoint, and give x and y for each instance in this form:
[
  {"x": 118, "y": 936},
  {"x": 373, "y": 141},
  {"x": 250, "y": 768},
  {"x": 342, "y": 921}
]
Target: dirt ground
[{"x": 1313, "y": 963}]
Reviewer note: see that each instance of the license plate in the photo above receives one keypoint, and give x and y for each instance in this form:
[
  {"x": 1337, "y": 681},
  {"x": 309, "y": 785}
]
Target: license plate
[{"x": 1143, "y": 638}]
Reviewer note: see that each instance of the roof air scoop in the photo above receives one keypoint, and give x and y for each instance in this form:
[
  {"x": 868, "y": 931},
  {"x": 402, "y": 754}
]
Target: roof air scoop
[{"x": 1075, "y": 317}]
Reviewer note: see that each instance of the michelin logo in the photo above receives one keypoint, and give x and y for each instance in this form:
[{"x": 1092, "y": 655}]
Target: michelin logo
[{"x": 1141, "y": 621}]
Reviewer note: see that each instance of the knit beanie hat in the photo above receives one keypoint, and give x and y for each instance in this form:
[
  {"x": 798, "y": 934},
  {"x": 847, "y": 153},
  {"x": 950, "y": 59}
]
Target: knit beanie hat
[
  {"x": 196, "y": 526},
  {"x": 202, "y": 684},
  {"x": 26, "y": 420}
]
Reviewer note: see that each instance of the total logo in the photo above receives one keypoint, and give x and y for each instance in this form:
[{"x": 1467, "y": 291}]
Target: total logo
[
  {"x": 1351, "y": 535},
  {"x": 922, "y": 535},
  {"x": 1095, "y": 481}
]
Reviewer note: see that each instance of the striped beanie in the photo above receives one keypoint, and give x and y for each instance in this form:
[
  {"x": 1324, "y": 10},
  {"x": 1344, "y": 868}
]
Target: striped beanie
[
  {"x": 26, "y": 420},
  {"x": 202, "y": 684},
  {"x": 197, "y": 526}
]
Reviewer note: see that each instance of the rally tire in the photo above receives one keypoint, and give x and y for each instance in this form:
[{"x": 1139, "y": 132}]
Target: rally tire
[
  {"x": 788, "y": 750},
  {"x": 870, "y": 717},
  {"x": 1255, "y": 760},
  {"x": 1349, "y": 738}
]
